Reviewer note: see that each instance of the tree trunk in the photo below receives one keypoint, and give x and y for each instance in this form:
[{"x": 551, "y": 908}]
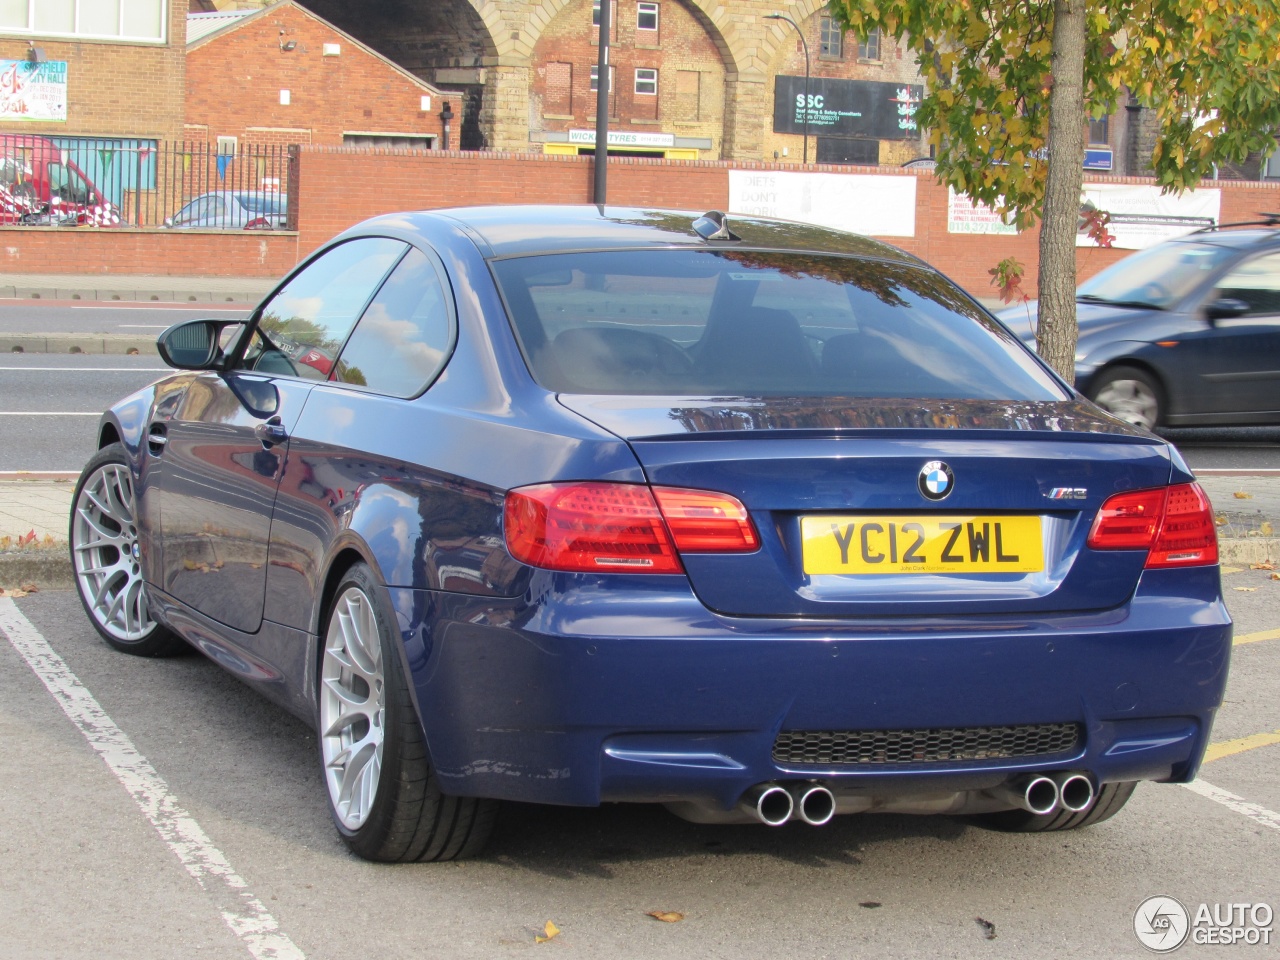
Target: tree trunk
[{"x": 1056, "y": 336}]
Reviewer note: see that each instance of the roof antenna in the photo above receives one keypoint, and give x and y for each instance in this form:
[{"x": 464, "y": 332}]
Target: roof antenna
[{"x": 714, "y": 225}]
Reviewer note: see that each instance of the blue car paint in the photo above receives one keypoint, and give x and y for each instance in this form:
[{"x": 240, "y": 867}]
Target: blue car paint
[{"x": 577, "y": 688}]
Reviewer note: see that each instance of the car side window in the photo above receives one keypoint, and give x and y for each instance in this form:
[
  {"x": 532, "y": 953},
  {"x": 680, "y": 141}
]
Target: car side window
[
  {"x": 302, "y": 328},
  {"x": 403, "y": 338},
  {"x": 1257, "y": 283}
]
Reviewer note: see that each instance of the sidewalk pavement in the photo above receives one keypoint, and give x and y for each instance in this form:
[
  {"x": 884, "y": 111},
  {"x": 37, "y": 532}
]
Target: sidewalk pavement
[
  {"x": 1247, "y": 507},
  {"x": 137, "y": 289}
]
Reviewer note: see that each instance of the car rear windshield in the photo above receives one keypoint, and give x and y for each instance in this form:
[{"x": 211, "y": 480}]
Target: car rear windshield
[
  {"x": 258, "y": 203},
  {"x": 745, "y": 323}
]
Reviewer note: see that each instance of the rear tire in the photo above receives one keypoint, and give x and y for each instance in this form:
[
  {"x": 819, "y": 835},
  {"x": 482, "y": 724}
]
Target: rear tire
[
  {"x": 1130, "y": 394},
  {"x": 383, "y": 793},
  {"x": 106, "y": 558},
  {"x": 1110, "y": 799}
]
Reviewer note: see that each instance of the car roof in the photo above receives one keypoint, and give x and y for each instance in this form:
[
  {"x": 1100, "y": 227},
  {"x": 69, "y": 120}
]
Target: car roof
[
  {"x": 1227, "y": 235},
  {"x": 524, "y": 230}
]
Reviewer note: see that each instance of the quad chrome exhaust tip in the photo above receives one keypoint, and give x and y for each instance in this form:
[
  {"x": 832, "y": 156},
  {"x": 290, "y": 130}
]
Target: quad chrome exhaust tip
[
  {"x": 1075, "y": 792},
  {"x": 770, "y": 803},
  {"x": 814, "y": 803},
  {"x": 1036, "y": 794}
]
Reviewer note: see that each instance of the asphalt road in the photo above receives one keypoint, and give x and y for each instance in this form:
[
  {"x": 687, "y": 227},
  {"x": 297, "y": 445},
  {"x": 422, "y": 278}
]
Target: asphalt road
[
  {"x": 141, "y": 319},
  {"x": 83, "y": 873}
]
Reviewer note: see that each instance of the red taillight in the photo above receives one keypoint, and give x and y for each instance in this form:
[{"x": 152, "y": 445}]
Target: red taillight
[
  {"x": 1174, "y": 524},
  {"x": 619, "y": 527},
  {"x": 702, "y": 521}
]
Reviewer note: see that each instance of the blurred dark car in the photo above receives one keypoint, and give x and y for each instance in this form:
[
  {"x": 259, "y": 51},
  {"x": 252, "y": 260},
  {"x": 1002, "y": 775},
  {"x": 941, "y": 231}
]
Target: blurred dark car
[
  {"x": 1184, "y": 333},
  {"x": 579, "y": 505}
]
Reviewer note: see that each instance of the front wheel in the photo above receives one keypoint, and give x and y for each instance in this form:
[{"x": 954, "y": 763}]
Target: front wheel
[
  {"x": 383, "y": 793},
  {"x": 1131, "y": 395},
  {"x": 106, "y": 558}
]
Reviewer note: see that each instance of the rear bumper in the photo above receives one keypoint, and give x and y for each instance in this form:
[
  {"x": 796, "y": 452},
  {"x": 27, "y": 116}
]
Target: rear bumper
[{"x": 590, "y": 695}]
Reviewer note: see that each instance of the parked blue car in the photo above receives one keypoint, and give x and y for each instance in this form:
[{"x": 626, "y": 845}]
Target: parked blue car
[{"x": 575, "y": 505}]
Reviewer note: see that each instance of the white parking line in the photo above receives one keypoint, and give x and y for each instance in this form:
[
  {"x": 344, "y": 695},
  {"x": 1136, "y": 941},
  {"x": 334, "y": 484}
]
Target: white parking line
[
  {"x": 50, "y": 413},
  {"x": 250, "y": 921},
  {"x": 1268, "y": 818},
  {"x": 93, "y": 369}
]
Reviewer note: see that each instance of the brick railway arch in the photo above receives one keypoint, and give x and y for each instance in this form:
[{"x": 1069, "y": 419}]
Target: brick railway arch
[
  {"x": 723, "y": 30},
  {"x": 779, "y": 32}
]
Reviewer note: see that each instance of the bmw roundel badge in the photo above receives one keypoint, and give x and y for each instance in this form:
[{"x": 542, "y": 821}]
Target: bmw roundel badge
[{"x": 936, "y": 480}]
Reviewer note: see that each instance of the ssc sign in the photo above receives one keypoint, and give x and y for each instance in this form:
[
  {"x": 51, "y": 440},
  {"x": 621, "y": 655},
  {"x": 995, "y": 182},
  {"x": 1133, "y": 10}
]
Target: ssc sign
[{"x": 847, "y": 108}]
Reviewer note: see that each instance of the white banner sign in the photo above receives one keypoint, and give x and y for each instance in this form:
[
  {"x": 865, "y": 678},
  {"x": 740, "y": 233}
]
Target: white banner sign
[
  {"x": 33, "y": 91},
  {"x": 965, "y": 216},
  {"x": 877, "y": 206},
  {"x": 1142, "y": 215}
]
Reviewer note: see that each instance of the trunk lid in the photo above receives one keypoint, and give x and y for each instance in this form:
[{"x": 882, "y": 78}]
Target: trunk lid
[{"x": 832, "y": 484}]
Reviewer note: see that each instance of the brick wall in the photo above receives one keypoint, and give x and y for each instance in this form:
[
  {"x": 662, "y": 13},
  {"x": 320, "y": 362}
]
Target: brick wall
[
  {"x": 175, "y": 253},
  {"x": 234, "y": 81},
  {"x": 114, "y": 88},
  {"x": 680, "y": 45},
  {"x": 338, "y": 187}
]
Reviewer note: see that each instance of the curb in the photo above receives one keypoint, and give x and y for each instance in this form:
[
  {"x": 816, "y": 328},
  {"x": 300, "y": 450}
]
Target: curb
[
  {"x": 47, "y": 569},
  {"x": 51, "y": 569},
  {"x": 114, "y": 344},
  {"x": 246, "y": 298}
]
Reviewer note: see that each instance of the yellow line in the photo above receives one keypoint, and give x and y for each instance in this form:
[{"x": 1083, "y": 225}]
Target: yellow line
[
  {"x": 1229, "y": 748},
  {"x": 1255, "y": 637}
]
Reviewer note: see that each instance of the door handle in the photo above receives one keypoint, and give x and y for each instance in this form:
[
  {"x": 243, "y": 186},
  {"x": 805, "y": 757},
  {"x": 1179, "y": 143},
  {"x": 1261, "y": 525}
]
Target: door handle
[
  {"x": 156, "y": 439},
  {"x": 271, "y": 432}
]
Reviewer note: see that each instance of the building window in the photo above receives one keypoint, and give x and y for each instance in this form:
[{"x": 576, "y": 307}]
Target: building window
[
  {"x": 646, "y": 16},
  {"x": 831, "y": 39},
  {"x": 90, "y": 19},
  {"x": 1099, "y": 130},
  {"x": 869, "y": 49},
  {"x": 647, "y": 82},
  {"x": 595, "y": 79}
]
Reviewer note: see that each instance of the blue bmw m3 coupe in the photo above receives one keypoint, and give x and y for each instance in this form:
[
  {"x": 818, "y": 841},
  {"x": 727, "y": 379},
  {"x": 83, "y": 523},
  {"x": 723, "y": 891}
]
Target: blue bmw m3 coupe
[{"x": 579, "y": 505}]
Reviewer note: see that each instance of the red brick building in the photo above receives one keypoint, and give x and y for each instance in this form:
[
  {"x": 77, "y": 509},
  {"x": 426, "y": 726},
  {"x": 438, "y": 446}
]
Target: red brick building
[{"x": 283, "y": 75}]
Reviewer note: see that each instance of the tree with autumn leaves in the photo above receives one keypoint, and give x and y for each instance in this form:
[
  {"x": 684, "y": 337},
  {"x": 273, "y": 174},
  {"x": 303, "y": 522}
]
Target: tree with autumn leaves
[{"x": 1011, "y": 83}]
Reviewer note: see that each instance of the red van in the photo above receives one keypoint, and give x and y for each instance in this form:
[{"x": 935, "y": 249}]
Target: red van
[{"x": 39, "y": 183}]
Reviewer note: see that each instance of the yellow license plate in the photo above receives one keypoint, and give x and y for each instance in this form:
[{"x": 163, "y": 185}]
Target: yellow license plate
[{"x": 923, "y": 544}]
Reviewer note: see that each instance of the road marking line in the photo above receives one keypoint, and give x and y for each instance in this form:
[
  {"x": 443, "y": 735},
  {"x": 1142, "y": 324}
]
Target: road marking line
[
  {"x": 1229, "y": 748},
  {"x": 94, "y": 369},
  {"x": 1268, "y": 818},
  {"x": 50, "y": 413},
  {"x": 249, "y": 920},
  {"x": 1255, "y": 637}
]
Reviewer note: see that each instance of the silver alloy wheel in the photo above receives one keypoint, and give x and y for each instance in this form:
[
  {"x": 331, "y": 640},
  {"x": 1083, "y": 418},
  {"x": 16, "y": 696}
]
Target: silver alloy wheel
[
  {"x": 104, "y": 549},
  {"x": 1133, "y": 401},
  {"x": 352, "y": 707}
]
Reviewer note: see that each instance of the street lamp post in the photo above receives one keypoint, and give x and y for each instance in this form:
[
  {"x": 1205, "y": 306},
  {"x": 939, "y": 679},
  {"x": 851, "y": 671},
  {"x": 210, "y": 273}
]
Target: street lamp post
[{"x": 805, "y": 46}]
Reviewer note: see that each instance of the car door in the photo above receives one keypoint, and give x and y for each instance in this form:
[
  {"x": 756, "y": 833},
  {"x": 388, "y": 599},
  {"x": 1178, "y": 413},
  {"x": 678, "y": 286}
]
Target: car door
[
  {"x": 224, "y": 445},
  {"x": 1233, "y": 363}
]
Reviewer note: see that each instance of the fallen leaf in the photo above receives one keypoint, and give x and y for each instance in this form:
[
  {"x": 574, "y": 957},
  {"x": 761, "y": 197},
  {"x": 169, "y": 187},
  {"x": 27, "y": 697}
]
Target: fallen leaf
[
  {"x": 1246, "y": 589},
  {"x": 1262, "y": 566},
  {"x": 1241, "y": 495},
  {"x": 28, "y": 537},
  {"x": 549, "y": 931},
  {"x": 870, "y": 904},
  {"x": 1274, "y": 576},
  {"x": 29, "y": 588},
  {"x": 1265, "y": 528},
  {"x": 666, "y": 916},
  {"x": 988, "y": 928}
]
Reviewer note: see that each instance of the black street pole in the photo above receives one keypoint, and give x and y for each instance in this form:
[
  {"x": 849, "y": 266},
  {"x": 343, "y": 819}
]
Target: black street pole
[
  {"x": 805, "y": 46},
  {"x": 602, "y": 104}
]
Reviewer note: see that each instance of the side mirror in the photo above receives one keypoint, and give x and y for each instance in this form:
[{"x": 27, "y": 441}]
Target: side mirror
[
  {"x": 1225, "y": 309},
  {"x": 194, "y": 344}
]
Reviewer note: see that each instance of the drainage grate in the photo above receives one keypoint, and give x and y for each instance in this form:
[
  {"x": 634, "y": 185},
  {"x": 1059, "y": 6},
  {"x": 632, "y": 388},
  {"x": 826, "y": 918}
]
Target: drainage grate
[{"x": 932, "y": 745}]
